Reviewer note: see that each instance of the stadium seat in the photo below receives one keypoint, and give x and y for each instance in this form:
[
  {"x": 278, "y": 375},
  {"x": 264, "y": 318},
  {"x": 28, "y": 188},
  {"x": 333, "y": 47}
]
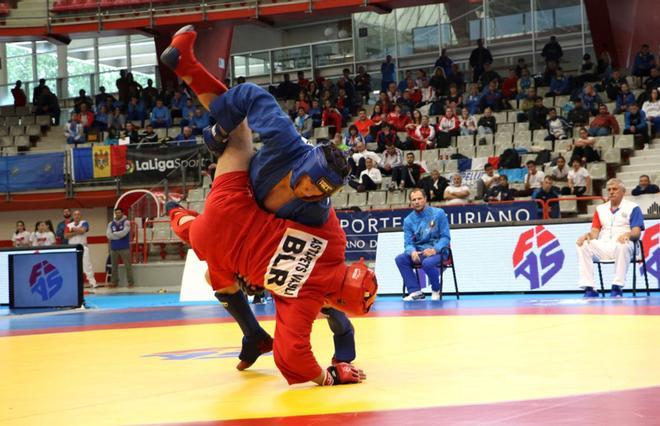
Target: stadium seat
[
  {"x": 597, "y": 170},
  {"x": 23, "y": 111},
  {"x": 560, "y": 101},
  {"x": 484, "y": 151},
  {"x": 396, "y": 197},
  {"x": 161, "y": 232},
  {"x": 372, "y": 146},
  {"x": 33, "y": 130},
  {"x": 197, "y": 206},
  {"x": 464, "y": 141},
  {"x": 16, "y": 131},
  {"x": 543, "y": 144},
  {"x": 12, "y": 121},
  {"x": 468, "y": 151},
  {"x": 430, "y": 155},
  {"x": 161, "y": 133},
  {"x": 522, "y": 143},
  {"x": 446, "y": 153},
  {"x": 504, "y": 138},
  {"x": 548, "y": 102},
  {"x": 500, "y": 117},
  {"x": 568, "y": 206},
  {"x": 451, "y": 166},
  {"x": 499, "y": 149},
  {"x": 377, "y": 199},
  {"x": 4, "y": 131},
  {"x": 522, "y": 127},
  {"x": 339, "y": 200},
  {"x": 22, "y": 141},
  {"x": 6, "y": 141},
  {"x": 624, "y": 141},
  {"x": 539, "y": 135},
  {"x": 505, "y": 128},
  {"x": 27, "y": 120},
  {"x": 322, "y": 133},
  {"x": 604, "y": 142},
  {"x": 489, "y": 139},
  {"x": 416, "y": 153},
  {"x": 43, "y": 120},
  {"x": 434, "y": 165},
  {"x": 522, "y": 136},
  {"x": 357, "y": 199}
]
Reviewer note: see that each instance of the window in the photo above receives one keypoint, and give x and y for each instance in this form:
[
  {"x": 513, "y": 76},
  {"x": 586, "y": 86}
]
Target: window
[
  {"x": 19, "y": 62},
  {"x": 81, "y": 66}
]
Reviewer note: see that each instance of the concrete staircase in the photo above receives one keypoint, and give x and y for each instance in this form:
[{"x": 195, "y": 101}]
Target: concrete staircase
[
  {"x": 646, "y": 162},
  {"x": 28, "y": 13}
]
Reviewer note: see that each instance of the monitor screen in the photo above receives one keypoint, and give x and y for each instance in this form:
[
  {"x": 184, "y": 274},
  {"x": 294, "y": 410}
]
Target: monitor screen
[{"x": 45, "y": 280}]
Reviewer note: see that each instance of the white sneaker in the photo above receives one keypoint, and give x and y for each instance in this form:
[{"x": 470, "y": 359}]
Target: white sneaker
[
  {"x": 417, "y": 295},
  {"x": 436, "y": 295}
]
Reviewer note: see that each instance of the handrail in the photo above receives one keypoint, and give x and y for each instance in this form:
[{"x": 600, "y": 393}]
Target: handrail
[{"x": 546, "y": 214}]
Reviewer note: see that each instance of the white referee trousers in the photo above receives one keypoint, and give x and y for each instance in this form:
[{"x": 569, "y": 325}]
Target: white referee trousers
[
  {"x": 88, "y": 269},
  {"x": 604, "y": 251}
]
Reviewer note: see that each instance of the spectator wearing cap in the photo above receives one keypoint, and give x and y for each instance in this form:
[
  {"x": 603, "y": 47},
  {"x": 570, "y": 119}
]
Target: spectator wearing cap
[
  {"x": 604, "y": 123},
  {"x": 645, "y": 186},
  {"x": 644, "y": 62}
]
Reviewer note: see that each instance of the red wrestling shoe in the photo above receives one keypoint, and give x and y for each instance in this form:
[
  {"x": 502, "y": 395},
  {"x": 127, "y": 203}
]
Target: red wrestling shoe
[
  {"x": 180, "y": 58},
  {"x": 252, "y": 350}
]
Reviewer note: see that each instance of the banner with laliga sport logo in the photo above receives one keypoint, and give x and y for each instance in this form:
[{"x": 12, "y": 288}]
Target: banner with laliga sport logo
[
  {"x": 151, "y": 164},
  {"x": 516, "y": 258}
]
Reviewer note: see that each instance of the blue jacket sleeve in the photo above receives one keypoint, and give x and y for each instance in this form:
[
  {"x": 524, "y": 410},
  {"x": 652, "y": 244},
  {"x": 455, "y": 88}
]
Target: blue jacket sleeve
[
  {"x": 408, "y": 231},
  {"x": 637, "y": 218},
  {"x": 443, "y": 224},
  {"x": 626, "y": 120},
  {"x": 643, "y": 124},
  {"x": 262, "y": 111}
]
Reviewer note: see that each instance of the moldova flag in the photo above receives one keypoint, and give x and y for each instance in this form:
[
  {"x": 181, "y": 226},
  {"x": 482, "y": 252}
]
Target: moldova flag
[{"x": 99, "y": 162}]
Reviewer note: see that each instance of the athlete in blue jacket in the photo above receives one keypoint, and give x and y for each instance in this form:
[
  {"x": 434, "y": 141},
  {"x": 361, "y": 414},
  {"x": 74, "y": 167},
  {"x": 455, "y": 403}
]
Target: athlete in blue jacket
[
  {"x": 426, "y": 234},
  {"x": 289, "y": 178}
]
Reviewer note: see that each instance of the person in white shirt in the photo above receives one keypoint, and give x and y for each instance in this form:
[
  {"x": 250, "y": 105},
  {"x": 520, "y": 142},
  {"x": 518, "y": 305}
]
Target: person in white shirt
[
  {"x": 42, "y": 236},
  {"x": 369, "y": 179},
  {"x": 392, "y": 157},
  {"x": 457, "y": 193},
  {"x": 579, "y": 180},
  {"x": 560, "y": 171},
  {"x": 533, "y": 179},
  {"x": 488, "y": 179},
  {"x": 468, "y": 123},
  {"x": 428, "y": 94},
  {"x": 615, "y": 226},
  {"x": 652, "y": 110},
  {"x": 20, "y": 237},
  {"x": 360, "y": 154},
  {"x": 76, "y": 233}
]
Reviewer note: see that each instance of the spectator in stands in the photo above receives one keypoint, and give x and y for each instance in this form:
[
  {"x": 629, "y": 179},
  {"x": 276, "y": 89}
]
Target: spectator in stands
[
  {"x": 604, "y": 66},
  {"x": 448, "y": 127},
  {"x": 131, "y": 133},
  {"x": 407, "y": 176},
  {"x": 538, "y": 115},
  {"x": 426, "y": 234},
  {"x": 357, "y": 160},
  {"x": 48, "y": 104},
  {"x": 397, "y": 119},
  {"x": 525, "y": 82},
  {"x": 444, "y": 62},
  {"x": 552, "y": 51},
  {"x": 185, "y": 138},
  {"x": 559, "y": 84},
  {"x": 453, "y": 98},
  {"x": 590, "y": 99},
  {"x": 303, "y": 83},
  {"x": 384, "y": 103},
  {"x": 456, "y": 193},
  {"x": 468, "y": 123},
  {"x": 315, "y": 113},
  {"x": 510, "y": 85},
  {"x": 478, "y": 59},
  {"x": 82, "y": 98},
  {"x": 653, "y": 82},
  {"x": 434, "y": 186},
  {"x": 42, "y": 236},
  {"x": 439, "y": 83},
  {"x": 76, "y": 232},
  {"x": 38, "y": 90},
  {"x": 428, "y": 93},
  {"x": 149, "y": 135},
  {"x": 651, "y": 109},
  {"x": 160, "y": 116},
  {"x": 20, "y": 100},
  {"x": 587, "y": 70},
  {"x": 386, "y": 136},
  {"x": 500, "y": 191},
  {"x": 644, "y": 62},
  {"x": 403, "y": 84},
  {"x": 487, "y": 125},
  {"x": 559, "y": 173},
  {"x": 492, "y": 98},
  {"x": 187, "y": 112},
  {"x": 533, "y": 179},
  {"x": 149, "y": 94},
  {"x": 487, "y": 180},
  {"x": 391, "y": 158},
  {"x": 363, "y": 123},
  {"x": 424, "y": 135},
  {"x": 177, "y": 104},
  {"x": 21, "y": 236},
  {"x": 119, "y": 235},
  {"x": 101, "y": 119},
  {"x": 363, "y": 84},
  {"x": 331, "y": 118},
  {"x": 353, "y": 137},
  {"x": 613, "y": 85},
  {"x": 635, "y": 124},
  {"x": 101, "y": 98},
  {"x": 557, "y": 126},
  {"x": 489, "y": 75},
  {"x": 579, "y": 180},
  {"x": 456, "y": 76},
  {"x": 200, "y": 120},
  {"x": 73, "y": 131},
  {"x": 604, "y": 123},
  {"x": 135, "y": 88},
  {"x": 85, "y": 117},
  {"x": 520, "y": 65},
  {"x": 624, "y": 99},
  {"x": 547, "y": 192},
  {"x": 615, "y": 226},
  {"x": 136, "y": 110},
  {"x": 344, "y": 105},
  {"x": 526, "y": 105},
  {"x": 303, "y": 124},
  {"x": 387, "y": 71},
  {"x": 116, "y": 120},
  {"x": 287, "y": 89},
  {"x": 473, "y": 100},
  {"x": 122, "y": 84},
  {"x": 369, "y": 178},
  {"x": 584, "y": 148},
  {"x": 579, "y": 116},
  {"x": 61, "y": 227},
  {"x": 645, "y": 186}
]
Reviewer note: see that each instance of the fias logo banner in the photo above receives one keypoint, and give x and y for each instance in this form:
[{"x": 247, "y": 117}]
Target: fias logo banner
[
  {"x": 45, "y": 280},
  {"x": 651, "y": 242},
  {"x": 537, "y": 257}
]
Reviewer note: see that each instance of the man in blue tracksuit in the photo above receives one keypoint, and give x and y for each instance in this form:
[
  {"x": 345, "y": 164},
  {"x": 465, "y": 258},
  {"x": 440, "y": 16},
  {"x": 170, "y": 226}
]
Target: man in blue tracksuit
[
  {"x": 289, "y": 178},
  {"x": 119, "y": 235},
  {"x": 426, "y": 234}
]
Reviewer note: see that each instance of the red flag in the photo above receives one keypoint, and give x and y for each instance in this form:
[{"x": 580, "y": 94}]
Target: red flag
[{"x": 118, "y": 160}]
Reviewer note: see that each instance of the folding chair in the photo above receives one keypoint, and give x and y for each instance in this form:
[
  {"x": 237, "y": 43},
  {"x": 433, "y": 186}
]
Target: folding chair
[
  {"x": 634, "y": 260},
  {"x": 444, "y": 264}
]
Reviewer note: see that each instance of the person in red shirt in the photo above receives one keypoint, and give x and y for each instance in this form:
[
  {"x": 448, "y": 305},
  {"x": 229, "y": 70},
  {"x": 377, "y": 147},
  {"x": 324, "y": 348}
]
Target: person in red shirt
[
  {"x": 85, "y": 117},
  {"x": 510, "y": 85},
  {"x": 302, "y": 81},
  {"x": 448, "y": 126},
  {"x": 330, "y": 116},
  {"x": 398, "y": 120},
  {"x": 302, "y": 266},
  {"x": 363, "y": 123},
  {"x": 384, "y": 103},
  {"x": 19, "y": 95},
  {"x": 424, "y": 135},
  {"x": 415, "y": 93},
  {"x": 604, "y": 123}
]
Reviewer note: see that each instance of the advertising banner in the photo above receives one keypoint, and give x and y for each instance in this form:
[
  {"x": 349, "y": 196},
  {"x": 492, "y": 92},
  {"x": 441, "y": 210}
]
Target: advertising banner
[
  {"x": 516, "y": 258},
  {"x": 32, "y": 172},
  {"x": 362, "y": 228}
]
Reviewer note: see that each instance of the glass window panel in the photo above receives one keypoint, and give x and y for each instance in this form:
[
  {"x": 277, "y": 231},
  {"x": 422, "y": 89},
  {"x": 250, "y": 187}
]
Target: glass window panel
[
  {"x": 447, "y": 35},
  {"x": 417, "y": 29},
  {"x": 19, "y": 68},
  {"x": 567, "y": 17},
  {"x": 112, "y": 53},
  {"x": 240, "y": 68},
  {"x": 291, "y": 59},
  {"x": 337, "y": 53},
  {"x": 47, "y": 66},
  {"x": 475, "y": 29},
  {"x": 108, "y": 80},
  {"x": 374, "y": 35},
  {"x": 19, "y": 49},
  {"x": 142, "y": 74},
  {"x": 143, "y": 52},
  {"x": 258, "y": 64},
  {"x": 80, "y": 65},
  {"x": 508, "y": 19},
  {"x": 544, "y": 20}
]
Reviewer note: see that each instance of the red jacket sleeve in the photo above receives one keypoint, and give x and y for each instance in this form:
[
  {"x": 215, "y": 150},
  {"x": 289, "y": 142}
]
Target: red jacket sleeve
[{"x": 595, "y": 223}]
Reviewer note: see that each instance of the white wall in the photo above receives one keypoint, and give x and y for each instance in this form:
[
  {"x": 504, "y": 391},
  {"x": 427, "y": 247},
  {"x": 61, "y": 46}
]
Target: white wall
[{"x": 255, "y": 37}]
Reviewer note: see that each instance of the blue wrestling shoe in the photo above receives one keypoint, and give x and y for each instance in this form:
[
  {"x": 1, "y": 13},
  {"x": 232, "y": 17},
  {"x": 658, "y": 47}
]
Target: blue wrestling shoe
[
  {"x": 214, "y": 139},
  {"x": 590, "y": 292},
  {"x": 171, "y": 205},
  {"x": 617, "y": 291},
  {"x": 252, "y": 348}
]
